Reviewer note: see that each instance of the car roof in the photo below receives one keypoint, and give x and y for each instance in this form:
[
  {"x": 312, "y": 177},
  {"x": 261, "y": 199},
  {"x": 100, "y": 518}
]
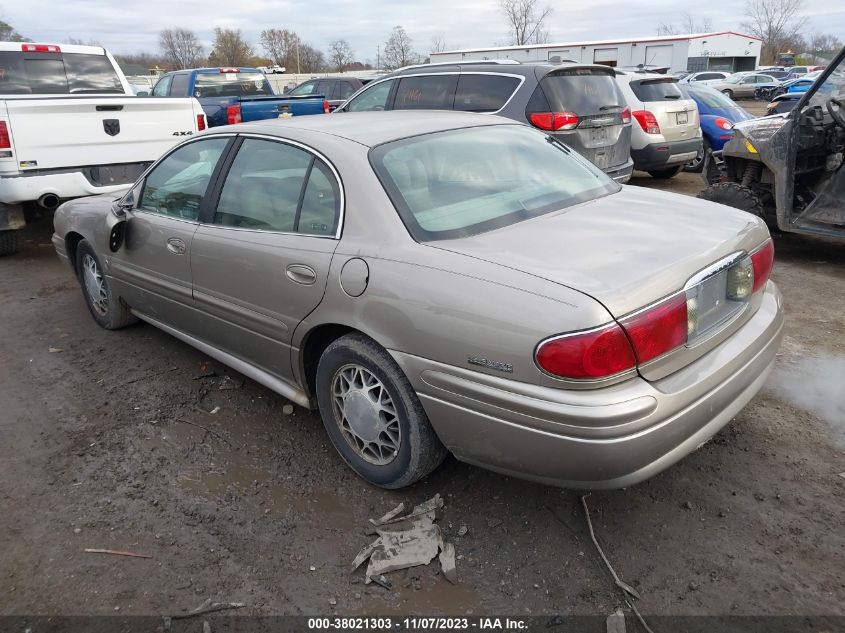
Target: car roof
[
  {"x": 371, "y": 128},
  {"x": 501, "y": 66}
]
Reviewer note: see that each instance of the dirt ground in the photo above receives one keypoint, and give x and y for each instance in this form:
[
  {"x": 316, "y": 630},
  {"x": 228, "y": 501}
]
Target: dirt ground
[{"x": 106, "y": 441}]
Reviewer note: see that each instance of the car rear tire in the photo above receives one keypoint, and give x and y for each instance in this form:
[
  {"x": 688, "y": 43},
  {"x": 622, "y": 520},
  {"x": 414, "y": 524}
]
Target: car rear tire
[
  {"x": 107, "y": 310},
  {"x": 697, "y": 165},
  {"x": 373, "y": 416},
  {"x": 8, "y": 242},
  {"x": 734, "y": 195},
  {"x": 665, "y": 174}
]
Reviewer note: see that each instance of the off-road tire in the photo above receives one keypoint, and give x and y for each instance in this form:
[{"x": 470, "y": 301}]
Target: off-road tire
[
  {"x": 116, "y": 315},
  {"x": 420, "y": 451},
  {"x": 734, "y": 195},
  {"x": 8, "y": 242},
  {"x": 665, "y": 174}
]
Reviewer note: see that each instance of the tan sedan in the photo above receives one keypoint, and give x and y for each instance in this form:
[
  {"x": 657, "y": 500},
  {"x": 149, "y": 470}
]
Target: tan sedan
[{"x": 437, "y": 282}]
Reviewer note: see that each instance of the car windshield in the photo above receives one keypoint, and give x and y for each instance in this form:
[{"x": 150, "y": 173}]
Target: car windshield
[
  {"x": 710, "y": 97},
  {"x": 832, "y": 88},
  {"x": 463, "y": 182},
  {"x": 222, "y": 84}
]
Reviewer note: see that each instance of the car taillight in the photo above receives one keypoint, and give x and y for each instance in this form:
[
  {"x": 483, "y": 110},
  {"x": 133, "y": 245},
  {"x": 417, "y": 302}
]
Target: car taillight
[
  {"x": 5, "y": 141},
  {"x": 626, "y": 115},
  {"x": 762, "y": 260},
  {"x": 658, "y": 329},
  {"x": 593, "y": 354},
  {"x": 553, "y": 121},
  {"x": 200, "y": 122},
  {"x": 326, "y": 107},
  {"x": 723, "y": 124},
  {"x": 647, "y": 121},
  {"x": 233, "y": 114},
  {"x": 40, "y": 48}
]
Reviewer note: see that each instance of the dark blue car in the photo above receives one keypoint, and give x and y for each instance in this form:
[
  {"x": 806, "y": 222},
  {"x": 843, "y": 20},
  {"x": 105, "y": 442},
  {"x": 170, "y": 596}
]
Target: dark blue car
[{"x": 717, "y": 114}]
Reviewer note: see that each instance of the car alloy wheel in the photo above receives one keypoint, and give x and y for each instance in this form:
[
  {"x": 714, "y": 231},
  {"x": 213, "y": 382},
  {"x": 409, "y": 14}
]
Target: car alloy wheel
[
  {"x": 95, "y": 285},
  {"x": 364, "y": 411}
]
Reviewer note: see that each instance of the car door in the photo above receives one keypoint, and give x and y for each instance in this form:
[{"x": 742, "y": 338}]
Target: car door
[
  {"x": 261, "y": 257},
  {"x": 747, "y": 86},
  {"x": 154, "y": 264},
  {"x": 377, "y": 96}
]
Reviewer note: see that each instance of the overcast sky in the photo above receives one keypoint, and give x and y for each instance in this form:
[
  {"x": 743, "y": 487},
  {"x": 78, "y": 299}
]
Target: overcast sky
[{"x": 133, "y": 26}]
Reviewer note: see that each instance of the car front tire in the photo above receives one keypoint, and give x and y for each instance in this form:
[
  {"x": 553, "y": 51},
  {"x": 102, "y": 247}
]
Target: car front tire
[
  {"x": 728, "y": 93},
  {"x": 373, "y": 416},
  {"x": 107, "y": 309},
  {"x": 697, "y": 165}
]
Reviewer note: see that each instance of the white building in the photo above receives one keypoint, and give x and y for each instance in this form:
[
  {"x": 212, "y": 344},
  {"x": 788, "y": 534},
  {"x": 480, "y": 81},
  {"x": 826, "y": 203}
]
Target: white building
[{"x": 727, "y": 50}]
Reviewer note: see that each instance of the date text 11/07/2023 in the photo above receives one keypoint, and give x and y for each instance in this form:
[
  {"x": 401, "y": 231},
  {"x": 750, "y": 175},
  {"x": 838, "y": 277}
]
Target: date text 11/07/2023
[{"x": 416, "y": 624}]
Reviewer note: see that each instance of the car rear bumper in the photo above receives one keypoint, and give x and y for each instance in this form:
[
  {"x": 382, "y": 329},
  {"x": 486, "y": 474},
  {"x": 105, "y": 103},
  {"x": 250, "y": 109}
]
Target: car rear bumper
[
  {"x": 65, "y": 184},
  {"x": 621, "y": 173},
  {"x": 602, "y": 438},
  {"x": 655, "y": 156}
]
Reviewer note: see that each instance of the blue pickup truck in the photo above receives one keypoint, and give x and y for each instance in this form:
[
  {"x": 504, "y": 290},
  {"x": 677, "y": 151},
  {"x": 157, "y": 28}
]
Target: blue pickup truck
[{"x": 235, "y": 95}]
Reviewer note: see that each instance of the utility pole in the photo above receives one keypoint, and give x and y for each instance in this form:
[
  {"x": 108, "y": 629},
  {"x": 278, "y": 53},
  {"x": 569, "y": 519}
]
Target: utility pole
[
  {"x": 298, "y": 71},
  {"x": 378, "y": 57}
]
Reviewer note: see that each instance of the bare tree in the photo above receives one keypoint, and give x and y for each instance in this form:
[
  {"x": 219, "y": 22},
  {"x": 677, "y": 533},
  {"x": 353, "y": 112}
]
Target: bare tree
[
  {"x": 230, "y": 48},
  {"x": 777, "y": 22},
  {"x": 310, "y": 60},
  {"x": 823, "y": 45},
  {"x": 438, "y": 43},
  {"x": 687, "y": 24},
  {"x": 526, "y": 20},
  {"x": 340, "y": 54},
  {"x": 180, "y": 48},
  {"x": 281, "y": 45},
  {"x": 398, "y": 50},
  {"x": 79, "y": 42}
]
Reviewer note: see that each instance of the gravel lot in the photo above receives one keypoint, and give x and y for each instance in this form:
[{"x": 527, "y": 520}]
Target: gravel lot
[{"x": 106, "y": 441}]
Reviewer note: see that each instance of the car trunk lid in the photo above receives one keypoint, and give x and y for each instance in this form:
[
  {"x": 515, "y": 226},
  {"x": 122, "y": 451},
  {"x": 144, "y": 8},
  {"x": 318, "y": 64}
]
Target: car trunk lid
[
  {"x": 592, "y": 96},
  {"x": 676, "y": 115},
  {"x": 626, "y": 250}
]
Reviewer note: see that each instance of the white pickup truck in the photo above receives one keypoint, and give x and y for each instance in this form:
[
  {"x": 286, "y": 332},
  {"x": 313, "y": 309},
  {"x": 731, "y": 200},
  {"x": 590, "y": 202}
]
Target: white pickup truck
[{"x": 71, "y": 126}]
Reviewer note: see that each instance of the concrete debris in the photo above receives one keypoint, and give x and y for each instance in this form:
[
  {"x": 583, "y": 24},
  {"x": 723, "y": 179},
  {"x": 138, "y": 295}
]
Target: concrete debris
[
  {"x": 214, "y": 410},
  {"x": 287, "y": 409},
  {"x": 228, "y": 383},
  {"x": 616, "y": 622},
  {"x": 463, "y": 530},
  {"x": 407, "y": 541}
]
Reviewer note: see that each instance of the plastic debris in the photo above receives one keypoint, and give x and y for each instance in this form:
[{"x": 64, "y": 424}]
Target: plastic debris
[{"x": 407, "y": 541}]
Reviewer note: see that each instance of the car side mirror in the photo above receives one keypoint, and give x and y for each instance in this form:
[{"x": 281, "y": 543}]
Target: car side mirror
[{"x": 116, "y": 220}]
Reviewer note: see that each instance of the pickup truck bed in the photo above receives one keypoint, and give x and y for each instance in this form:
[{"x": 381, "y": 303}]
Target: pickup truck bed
[{"x": 236, "y": 95}]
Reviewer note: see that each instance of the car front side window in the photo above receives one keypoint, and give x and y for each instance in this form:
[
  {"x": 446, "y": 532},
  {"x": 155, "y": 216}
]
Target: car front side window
[
  {"x": 273, "y": 186},
  {"x": 177, "y": 185},
  {"x": 163, "y": 86}
]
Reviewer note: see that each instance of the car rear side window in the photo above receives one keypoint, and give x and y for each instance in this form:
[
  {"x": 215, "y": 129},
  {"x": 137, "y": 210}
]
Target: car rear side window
[
  {"x": 484, "y": 93},
  {"x": 464, "y": 182},
  {"x": 179, "y": 86},
  {"x": 373, "y": 98},
  {"x": 346, "y": 90},
  {"x": 177, "y": 185},
  {"x": 431, "y": 92},
  {"x": 56, "y": 73},
  {"x": 647, "y": 90},
  {"x": 583, "y": 91},
  {"x": 239, "y": 84},
  {"x": 273, "y": 186}
]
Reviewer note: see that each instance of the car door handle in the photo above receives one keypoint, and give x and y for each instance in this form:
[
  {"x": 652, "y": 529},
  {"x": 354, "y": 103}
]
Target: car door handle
[
  {"x": 176, "y": 246},
  {"x": 301, "y": 274}
]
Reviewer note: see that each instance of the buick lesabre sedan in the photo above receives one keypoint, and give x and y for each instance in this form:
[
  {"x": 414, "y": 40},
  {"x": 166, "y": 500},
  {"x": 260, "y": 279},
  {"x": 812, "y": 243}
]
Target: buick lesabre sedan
[{"x": 438, "y": 282}]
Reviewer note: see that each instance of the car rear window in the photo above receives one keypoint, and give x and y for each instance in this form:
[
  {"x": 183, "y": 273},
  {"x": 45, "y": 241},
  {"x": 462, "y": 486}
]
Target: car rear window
[
  {"x": 484, "y": 93},
  {"x": 431, "y": 92},
  {"x": 219, "y": 84},
  {"x": 57, "y": 73},
  {"x": 463, "y": 182},
  {"x": 656, "y": 89},
  {"x": 583, "y": 91}
]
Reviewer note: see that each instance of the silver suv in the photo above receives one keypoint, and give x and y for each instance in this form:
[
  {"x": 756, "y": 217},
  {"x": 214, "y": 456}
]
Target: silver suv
[
  {"x": 579, "y": 104},
  {"x": 667, "y": 133}
]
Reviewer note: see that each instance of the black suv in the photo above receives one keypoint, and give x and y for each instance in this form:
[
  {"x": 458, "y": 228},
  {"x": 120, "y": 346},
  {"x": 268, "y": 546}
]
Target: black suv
[
  {"x": 335, "y": 89},
  {"x": 580, "y": 104}
]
